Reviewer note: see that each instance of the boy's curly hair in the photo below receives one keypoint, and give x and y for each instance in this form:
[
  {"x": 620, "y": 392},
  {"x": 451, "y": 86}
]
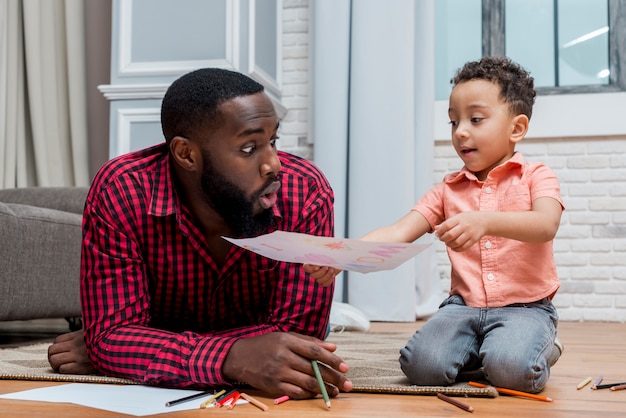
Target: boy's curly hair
[{"x": 517, "y": 87}]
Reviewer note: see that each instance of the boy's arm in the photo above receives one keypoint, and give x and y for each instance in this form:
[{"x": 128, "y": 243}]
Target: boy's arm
[
  {"x": 407, "y": 229},
  {"x": 539, "y": 224}
]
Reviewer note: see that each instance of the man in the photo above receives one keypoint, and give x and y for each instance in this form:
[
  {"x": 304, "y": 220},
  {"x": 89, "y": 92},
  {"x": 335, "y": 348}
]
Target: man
[{"x": 165, "y": 299}]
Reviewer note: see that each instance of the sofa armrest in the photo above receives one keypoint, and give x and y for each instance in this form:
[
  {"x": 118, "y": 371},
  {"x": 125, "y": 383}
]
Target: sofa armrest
[
  {"x": 39, "y": 262},
  {"x": 67, "y": 199}
]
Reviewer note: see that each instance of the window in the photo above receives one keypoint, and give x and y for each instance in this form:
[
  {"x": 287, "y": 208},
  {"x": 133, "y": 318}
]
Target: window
[{"x": 569, "y": 46}]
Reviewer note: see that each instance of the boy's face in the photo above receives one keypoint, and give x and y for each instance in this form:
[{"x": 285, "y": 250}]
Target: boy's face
[{"x": 484, "y": 132}]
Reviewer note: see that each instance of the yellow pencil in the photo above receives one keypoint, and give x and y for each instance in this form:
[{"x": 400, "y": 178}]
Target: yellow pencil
[
  {"x": 212, "y": 398},
  {"x": 584, "y": 383}
]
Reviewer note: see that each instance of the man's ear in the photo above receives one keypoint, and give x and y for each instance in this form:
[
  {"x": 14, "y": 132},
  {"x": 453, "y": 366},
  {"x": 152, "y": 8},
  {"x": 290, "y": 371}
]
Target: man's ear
[
  {"x": 520, "y": 128},
  {"x": 185, "y": 153}
]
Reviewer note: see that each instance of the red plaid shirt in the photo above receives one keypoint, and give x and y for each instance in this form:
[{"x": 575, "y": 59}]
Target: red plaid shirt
[{"x": 156, "y": 307}]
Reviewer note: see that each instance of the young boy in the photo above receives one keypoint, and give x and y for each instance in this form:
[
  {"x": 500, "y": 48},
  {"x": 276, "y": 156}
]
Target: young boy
[{"x": 498, "y": 217}]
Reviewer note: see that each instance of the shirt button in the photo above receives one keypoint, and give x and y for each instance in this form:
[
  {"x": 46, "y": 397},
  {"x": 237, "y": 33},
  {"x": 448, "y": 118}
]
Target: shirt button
[
  {"x": 488, "y": 189},
  {"x": 488, "y": 245},
  {"x": 490, "y": 277}
]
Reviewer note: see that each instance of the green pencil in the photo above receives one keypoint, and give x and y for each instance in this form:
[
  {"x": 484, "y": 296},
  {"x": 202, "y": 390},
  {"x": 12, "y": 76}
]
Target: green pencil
[{"x": 318, "y": 375}]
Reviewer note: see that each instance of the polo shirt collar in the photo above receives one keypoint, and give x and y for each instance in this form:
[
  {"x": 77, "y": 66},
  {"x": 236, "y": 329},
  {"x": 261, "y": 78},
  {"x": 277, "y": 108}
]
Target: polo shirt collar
[{"x": 516, "y": 161}]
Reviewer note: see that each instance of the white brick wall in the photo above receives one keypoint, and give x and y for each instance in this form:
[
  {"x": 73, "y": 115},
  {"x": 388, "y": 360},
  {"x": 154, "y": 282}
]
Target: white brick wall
[
  {"x": 590, "y": 247},
  {"x": 294, "y": 126}
]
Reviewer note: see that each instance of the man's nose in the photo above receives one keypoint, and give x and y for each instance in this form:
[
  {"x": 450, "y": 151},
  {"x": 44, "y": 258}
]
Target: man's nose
[{"x": 271, "y": 163}]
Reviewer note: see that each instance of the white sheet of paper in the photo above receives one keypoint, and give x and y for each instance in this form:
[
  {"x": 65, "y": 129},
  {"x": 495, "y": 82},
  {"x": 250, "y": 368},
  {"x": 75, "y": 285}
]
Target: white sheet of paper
[
  {"x": 341, "y": 253},
  {"x": 134, "y": 400}
]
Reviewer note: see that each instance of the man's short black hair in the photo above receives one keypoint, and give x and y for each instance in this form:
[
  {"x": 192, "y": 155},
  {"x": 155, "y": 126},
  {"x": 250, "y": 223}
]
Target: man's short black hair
[{"x": 192, "y": 102}]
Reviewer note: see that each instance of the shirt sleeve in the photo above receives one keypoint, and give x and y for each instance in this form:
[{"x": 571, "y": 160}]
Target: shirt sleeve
[{"x": 116, "y": 304}]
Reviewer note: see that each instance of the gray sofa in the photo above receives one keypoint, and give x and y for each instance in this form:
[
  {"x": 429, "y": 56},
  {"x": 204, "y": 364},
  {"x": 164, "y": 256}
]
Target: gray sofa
[{"x": 40, "y": 235}]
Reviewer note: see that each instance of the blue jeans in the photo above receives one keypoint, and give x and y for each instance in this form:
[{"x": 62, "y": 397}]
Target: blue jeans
[{"x": 514, "y": 345}]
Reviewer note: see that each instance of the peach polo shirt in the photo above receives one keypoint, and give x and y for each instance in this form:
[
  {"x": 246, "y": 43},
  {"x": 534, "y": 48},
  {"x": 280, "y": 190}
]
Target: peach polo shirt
[{"x": 497, "y": 271}]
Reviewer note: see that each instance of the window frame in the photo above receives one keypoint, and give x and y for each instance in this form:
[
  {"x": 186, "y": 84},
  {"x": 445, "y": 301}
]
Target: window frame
[{"x": 493, "y": 43}]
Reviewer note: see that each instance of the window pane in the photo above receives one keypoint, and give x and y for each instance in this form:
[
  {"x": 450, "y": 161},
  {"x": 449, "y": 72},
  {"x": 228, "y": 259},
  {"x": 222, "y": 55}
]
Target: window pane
[
  {"x": 458, "y": 39},
  {"x": 583, "y": 42},
  {"x": 529, "y": 38}
]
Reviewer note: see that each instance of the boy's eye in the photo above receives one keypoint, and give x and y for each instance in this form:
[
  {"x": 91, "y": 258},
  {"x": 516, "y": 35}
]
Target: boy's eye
[
  {"x": 273, "y": 142},
  {"x": 249, "y": 149},
  {"x": 453, "y": 123},
  {"x": 476, "y": 120}
]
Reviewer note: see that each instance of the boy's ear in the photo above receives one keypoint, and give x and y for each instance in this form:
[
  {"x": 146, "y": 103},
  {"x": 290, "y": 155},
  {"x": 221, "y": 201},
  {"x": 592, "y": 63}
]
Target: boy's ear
[{"x": 520, "y": 128}]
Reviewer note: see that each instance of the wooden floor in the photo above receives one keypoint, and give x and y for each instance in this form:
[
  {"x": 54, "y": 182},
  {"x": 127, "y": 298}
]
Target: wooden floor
[{"x": 591, "y": 349}]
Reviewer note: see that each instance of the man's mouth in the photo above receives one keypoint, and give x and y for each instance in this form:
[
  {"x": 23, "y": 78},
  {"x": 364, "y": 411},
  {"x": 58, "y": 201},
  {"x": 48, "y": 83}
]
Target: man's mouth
[{"x": 270, "y": 195}]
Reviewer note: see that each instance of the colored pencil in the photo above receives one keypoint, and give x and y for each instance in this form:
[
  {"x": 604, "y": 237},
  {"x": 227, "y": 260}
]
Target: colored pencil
[
  {"x": 188, "y": 398},
  {"x": 596, "y": 382},
  {"x": 609, "y": 385},
  {"x": 255, "y": 402},
  {"x": 234, "y": 400},
  {"x": 513, "y": 392},
  {"x": 618, "y": 387},
  {"x": 454, "y": 402},
  {"x": 281, "y": 399},
  {"x": 584, "y": 383},
  {"x": 320, "y": 381},
  {"x": 226, "y": 397},
  {"x": 212, "y": 398}
]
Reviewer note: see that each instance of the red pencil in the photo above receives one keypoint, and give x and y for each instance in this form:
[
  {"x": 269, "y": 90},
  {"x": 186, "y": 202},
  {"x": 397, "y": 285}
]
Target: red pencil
[{"x": 513, "y": 392}]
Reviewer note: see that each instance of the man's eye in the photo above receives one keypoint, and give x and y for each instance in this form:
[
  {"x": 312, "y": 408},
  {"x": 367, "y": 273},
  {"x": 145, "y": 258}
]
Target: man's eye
[
  {"x": 249, "y": 149},
  {"x": 273, "y": 142}
]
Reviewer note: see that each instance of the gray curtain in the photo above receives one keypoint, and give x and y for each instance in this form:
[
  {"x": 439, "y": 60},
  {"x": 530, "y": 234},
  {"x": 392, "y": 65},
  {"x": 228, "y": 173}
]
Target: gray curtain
[
  {"x": 43, "y": 118},
  {"x": 373, "y": 98}
]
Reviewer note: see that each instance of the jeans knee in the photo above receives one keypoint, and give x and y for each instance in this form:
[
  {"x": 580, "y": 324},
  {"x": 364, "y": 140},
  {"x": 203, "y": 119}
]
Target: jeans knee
[
  {"x": 522, "y": 377},
  {"x": 425, "y": 370}
]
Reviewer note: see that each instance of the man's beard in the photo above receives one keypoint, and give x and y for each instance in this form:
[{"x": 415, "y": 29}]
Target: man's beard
[{"x": 230, "y": 202}]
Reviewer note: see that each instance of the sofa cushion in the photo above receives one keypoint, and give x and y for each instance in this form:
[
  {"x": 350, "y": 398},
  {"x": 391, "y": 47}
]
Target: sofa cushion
[{"x": 39, "y": 262}]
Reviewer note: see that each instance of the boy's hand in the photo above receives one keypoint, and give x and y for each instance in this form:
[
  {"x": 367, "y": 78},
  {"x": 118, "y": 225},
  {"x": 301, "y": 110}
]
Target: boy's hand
[
  {"x": 323, "y": 275},
  {"x": 462, "y": 230}
]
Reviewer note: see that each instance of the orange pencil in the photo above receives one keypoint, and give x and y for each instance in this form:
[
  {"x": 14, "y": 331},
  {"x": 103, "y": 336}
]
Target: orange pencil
[
  {"x": 618, "y": 387},
  {"x": 255, "y": 402},
  {"x": 513, "y": 392}
]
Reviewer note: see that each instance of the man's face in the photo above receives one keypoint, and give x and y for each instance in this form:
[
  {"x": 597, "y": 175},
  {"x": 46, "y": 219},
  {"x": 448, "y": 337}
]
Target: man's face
[
  {"x": 240, "y": 165},
  {"x": 232, "y": 204}
]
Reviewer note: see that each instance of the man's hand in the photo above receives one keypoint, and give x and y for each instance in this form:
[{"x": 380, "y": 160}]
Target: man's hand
[
  {"x": 279, "y": 363},
  {"x": 68, "y": 354},
  {"x": 323, "y": 275}
]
